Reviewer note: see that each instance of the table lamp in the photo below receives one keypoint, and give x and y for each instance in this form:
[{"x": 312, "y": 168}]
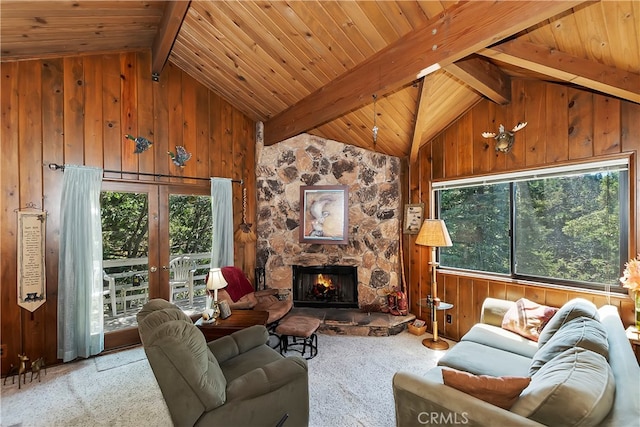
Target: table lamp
[
  {"x": 434, "y": 233},
  {"x": 215, "y": 281}
]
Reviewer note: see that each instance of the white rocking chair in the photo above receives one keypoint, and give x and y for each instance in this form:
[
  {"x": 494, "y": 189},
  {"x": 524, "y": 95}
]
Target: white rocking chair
[
  {"x": 110, "y": 292},
  {"x": 181, "y": 271}
]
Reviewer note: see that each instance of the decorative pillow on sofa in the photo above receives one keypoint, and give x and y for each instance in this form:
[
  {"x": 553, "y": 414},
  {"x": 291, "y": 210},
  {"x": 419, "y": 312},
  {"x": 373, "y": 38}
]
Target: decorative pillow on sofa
[
  {"x": 575, "y": 388},
  {"x": 580, "y": 332},
  {"x": 527, "y": 318},
  {"x": 499, "y": 391},
  {"x": 577, "y": 307}
]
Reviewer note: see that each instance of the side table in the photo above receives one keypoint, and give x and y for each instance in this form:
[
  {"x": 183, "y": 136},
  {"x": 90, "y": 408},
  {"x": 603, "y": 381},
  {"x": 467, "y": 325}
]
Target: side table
[
  {"x": 239, "y": 319},
  {"x": 633, "y": 335},
  {"x": 434, "y": 343}
]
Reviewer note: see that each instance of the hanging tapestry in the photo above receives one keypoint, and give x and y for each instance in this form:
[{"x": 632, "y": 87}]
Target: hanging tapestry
[{"x": 31, "y": 252}]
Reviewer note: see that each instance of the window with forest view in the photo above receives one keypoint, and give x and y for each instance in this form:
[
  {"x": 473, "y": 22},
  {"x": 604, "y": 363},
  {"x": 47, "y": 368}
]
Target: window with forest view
[
  {"x": 125, "y": 229},
  {"x": 125, "y": 224},
  {"x": 190, "y": 224},
  {"x": 556, "y": 226},
  {"x": 190, "y": 233},
  {"x": 125, "y": 242}
]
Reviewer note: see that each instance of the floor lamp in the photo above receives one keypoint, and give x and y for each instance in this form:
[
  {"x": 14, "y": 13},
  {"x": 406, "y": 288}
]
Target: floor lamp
[{"x": 434, "y": 234}]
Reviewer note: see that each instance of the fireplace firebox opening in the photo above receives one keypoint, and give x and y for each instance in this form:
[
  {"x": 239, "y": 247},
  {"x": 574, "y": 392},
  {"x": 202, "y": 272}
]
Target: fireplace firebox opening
[{"x": 325, "y": 286}]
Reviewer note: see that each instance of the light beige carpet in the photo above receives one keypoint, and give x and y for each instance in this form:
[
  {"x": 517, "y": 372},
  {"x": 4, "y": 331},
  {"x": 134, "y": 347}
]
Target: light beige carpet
[{"x": 349, "y": 385}]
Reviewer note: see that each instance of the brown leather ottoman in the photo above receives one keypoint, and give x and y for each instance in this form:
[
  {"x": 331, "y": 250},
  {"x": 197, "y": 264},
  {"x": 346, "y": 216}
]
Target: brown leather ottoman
[{"x": 302, "y": 331}]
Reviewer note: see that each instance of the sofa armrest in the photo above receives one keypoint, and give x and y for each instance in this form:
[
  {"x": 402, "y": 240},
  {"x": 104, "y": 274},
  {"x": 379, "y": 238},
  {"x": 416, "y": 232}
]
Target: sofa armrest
[
  {"x": 493, "y": 311},
  {"x": 422, "y": 401},
  {"x": 270, "y": 377},
  {"x": 624, "y": 366},
  {"x": 267, "y": 292},
  {"x": 241, "y": 341},
  {"x": 246, "y": 302}
]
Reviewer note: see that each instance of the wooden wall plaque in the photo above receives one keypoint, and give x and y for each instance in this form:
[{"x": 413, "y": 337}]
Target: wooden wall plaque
[{"x": 31, "y": 255}]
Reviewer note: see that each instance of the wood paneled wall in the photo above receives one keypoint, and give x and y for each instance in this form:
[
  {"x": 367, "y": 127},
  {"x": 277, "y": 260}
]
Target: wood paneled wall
[
  {"x": 564, "y": 124},
  {"x": 76, "y": 110}
]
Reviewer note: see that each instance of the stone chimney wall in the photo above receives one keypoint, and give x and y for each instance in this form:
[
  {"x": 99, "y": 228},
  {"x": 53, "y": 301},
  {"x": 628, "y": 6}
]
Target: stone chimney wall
[{"x": 374, "y": 213}]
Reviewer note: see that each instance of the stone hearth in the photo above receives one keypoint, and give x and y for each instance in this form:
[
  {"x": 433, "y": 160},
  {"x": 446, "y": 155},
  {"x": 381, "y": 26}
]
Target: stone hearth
[
  {"x": 345, "y": 321},
  {"x": 374, "y": 213}
]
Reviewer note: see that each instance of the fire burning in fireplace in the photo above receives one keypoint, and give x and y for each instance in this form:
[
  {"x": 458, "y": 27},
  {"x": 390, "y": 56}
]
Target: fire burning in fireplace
[{"x": 325, "y": 286}]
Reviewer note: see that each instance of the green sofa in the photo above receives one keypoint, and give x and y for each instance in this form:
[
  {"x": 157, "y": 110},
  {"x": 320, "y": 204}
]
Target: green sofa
[
  {"x": 583, "y": 373},
  {"x": 236, "y": 380}
]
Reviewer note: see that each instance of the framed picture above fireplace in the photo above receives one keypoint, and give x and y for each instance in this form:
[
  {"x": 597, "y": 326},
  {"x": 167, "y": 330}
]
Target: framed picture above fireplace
[{"x": 324, "y": 214}]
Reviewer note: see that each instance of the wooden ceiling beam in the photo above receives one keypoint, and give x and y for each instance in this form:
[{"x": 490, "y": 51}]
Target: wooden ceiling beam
[
  {"x": 566, "y": 67},
  {"x": 434, "y": 113},
  {"x": 486, "y": 78},
  {"x": 421, "y": 118},
  {"x": 174, "y": 13},
  {"x": 454, "y": 34}
]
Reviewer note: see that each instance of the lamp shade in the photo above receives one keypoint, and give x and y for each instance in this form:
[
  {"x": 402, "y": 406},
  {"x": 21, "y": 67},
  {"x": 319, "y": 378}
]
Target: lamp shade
[
  {"x": 433, "y": 233},
  {"x": 216, "y": 280}
]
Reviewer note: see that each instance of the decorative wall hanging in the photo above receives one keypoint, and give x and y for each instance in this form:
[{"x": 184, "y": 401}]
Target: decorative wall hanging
[
  {"x": 180, "y": 157},
  {"x": 412, "y": 218},
  {"x": 31, "y": 258},
  {"x": 504, "y": 139},
  {"x": 375, "y": 126},
  {"x": 244, "y": 234},
  {"x": 142, "y": 143},
  {"x": 324, "y": 214}
]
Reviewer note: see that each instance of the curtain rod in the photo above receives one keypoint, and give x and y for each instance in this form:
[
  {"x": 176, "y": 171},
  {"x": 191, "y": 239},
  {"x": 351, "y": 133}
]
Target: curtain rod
[{"x": 55, "y": 166}]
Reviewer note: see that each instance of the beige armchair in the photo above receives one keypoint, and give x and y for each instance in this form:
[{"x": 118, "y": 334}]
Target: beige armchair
[{"x": 236, "y": 380}]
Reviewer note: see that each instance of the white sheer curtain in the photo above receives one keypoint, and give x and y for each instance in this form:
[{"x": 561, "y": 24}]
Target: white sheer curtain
[
  {"x": 80, "y": 310},
  {"x": 222, "y": 209}
]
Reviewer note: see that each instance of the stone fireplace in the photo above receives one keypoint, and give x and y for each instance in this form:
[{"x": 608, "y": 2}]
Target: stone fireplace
[
  {"x": 325, "y": 286},
  {"x": 374, "y": 213}
]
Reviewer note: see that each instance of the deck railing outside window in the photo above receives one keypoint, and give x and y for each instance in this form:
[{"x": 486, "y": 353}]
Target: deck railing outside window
[{"x": 126, "y": 283}]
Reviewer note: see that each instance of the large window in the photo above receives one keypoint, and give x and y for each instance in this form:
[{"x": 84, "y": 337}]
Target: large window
[{"x": 564, "y": 225}]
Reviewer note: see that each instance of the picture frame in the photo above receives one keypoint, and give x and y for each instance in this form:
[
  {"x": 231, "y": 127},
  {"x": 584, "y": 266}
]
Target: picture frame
[
  {"x": 413, "y": 214},
  {"x": 225, "y": 310},
  {"x": 324, "y": 214}
]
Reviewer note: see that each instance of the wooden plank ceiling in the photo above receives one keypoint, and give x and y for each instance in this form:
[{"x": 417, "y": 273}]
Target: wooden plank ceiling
[{"x": 315, "y": 66}]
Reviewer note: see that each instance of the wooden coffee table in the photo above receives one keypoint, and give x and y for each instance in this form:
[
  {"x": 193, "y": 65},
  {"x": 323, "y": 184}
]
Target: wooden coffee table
[{"x": 239, "y": 319}]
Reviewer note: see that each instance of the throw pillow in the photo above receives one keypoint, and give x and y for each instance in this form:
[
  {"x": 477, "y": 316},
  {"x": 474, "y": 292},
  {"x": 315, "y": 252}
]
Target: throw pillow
[
  {"x": 237, "y": 283},
  {"x": 499, "y": 391},
  {"x": 527, "y": 318}
]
